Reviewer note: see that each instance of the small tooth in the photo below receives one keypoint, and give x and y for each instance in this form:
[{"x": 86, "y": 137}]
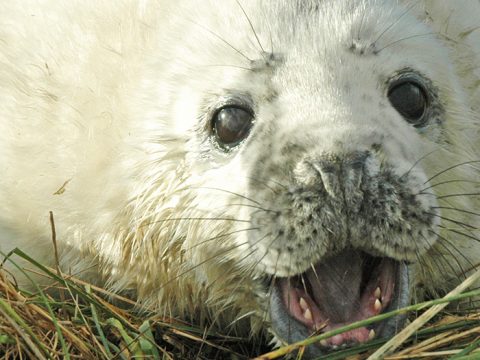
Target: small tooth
[
  {"x": 378, "y": 305},
  {"x": 303, "y": 304},
  {"x": 371, "y": 334},
  {"x": 378, "y": 292},
  {"x": 308, "y": 315}
]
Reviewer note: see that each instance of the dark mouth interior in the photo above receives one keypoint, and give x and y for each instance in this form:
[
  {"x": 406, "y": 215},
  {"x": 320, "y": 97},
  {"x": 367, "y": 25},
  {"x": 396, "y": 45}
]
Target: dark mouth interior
[{"x": 340, "y": 290}]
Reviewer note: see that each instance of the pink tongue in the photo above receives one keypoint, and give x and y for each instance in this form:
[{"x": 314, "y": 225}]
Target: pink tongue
[{"x": 336, "y": 285}]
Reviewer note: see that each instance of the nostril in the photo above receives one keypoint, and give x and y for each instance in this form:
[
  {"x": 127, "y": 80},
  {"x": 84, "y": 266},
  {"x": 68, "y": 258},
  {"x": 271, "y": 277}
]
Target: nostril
[
  {"x": 355, "y": 164},
  {"x": 330, "y": 173},
  {"x": 357, "y": 159},
  {"x": 353, "y": 181},
  {"x": 354, "y": 170},
  {"x": 342, "y": 175}
]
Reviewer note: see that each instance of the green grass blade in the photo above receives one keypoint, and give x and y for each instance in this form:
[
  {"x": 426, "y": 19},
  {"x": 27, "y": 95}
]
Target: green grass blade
[
  {"x": 47, "y": 305},
  {"x": 147, "y": 340},
  {"x": 101, "y": 334}
]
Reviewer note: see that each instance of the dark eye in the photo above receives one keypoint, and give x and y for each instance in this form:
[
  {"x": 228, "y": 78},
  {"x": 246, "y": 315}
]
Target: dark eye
[
  {"x": 231, "y": 125},
  {"x": 410, "y": 100}
]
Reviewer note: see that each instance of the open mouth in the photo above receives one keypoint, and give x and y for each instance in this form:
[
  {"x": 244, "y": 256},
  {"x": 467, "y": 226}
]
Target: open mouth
[{"x": 340, "y": 290}]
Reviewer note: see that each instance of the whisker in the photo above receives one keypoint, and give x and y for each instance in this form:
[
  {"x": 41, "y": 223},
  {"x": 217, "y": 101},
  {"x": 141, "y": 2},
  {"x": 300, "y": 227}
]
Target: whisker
[
  {"x": 467, "y": 260},
  {"x": 226, "y": 65},
  {"x": 196, "y": 266},
  {"x": 455, "y": 209},
  {"x": 303, "y": 283},
  {"x": 452, "y": 220},
  {"x": 403, "y": 39},
  {"x": 441, "y": 243},
  {"x": 461, "y": 233},
  {"x": 264, "y": 182},
  {"x": 221, "y": 39},
  {"x": 437, "y": 262},
  {"x": 456, "y": 195},
  {"x": 361, "y": 22},
  {"x": 426, "y": 193},
  {"x": 271, "y": 40},
  {"x": 441, "y": 257},
  {"x": 223, "y": 190},
  {"x": 203, "y": 242},
  {"x": 395, "y": 22},
  {"x": 251, "y": 27},
  {"x": 450, "y": 168},
  {"x": 253, "y": 207},
  {"x": 314, "y": 271},
  {"x": 239, "y": 318},
  {"x": 194, "y": 219},
  {"x": 417, "y": 162},
  {"x": 449, "y": 182},
  {"x": 422, "y": 262},
  {"x": 254, "y": 265}
]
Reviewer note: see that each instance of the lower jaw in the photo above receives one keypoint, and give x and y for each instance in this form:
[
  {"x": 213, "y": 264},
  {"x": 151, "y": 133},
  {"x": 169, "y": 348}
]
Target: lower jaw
[{"x": 289, "y": 330}]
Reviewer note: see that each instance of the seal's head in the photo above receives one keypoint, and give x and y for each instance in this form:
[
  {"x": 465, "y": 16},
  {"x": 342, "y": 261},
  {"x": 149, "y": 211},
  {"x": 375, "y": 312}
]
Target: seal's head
[{"x": 291, "y": 174}]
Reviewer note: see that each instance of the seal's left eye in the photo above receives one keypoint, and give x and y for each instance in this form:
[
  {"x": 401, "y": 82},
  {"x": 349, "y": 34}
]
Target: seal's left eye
[
  {"x": 231, "y": 125},
  {"x": 410, "y": 100}
]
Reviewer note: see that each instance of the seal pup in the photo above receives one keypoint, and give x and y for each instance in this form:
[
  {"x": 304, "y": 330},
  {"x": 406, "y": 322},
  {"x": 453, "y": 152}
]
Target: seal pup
[{"x": 256, "y": 165}]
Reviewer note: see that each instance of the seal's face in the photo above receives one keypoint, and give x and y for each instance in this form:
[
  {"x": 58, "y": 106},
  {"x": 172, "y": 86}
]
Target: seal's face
[{"x": 321, "y": 145}]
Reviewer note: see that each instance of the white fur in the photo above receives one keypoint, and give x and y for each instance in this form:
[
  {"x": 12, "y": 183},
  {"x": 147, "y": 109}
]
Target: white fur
[{"x": 108, "y": 97}]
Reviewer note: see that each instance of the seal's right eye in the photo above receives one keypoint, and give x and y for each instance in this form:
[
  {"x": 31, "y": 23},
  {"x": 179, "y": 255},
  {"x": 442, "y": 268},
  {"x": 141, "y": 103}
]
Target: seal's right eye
[
  {"x": 410, "y": 100},
  {"x": 231, "y": 125}
]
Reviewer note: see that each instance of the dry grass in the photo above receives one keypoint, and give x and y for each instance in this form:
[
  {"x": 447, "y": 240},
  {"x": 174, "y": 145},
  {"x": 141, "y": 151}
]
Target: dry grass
[{"x": 84, "y": 324}]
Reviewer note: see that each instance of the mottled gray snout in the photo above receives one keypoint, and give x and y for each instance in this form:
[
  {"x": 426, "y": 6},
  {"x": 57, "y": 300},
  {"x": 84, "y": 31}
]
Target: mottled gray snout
[{"x": 342, "y": 176}]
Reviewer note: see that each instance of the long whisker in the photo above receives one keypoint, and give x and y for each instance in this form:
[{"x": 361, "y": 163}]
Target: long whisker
[
  {"x": 417, "y": 162},
  {"x": 360, "y": 26},
  {"x": 461, "y": 233},
  {"x": 271, "y": 40},
  {"x": 452, "y": 220},
  {"x": 456, "y": 195},
  {"x": 219, "y": 237},
  {"x": 443, "y": 261},
  {"x": 442, "y": 242},
  {"x": 194, "y": 219},
  {"x": 403, "y": 39},
  {"x": 251, "y": 27},
  {"x": 455, "y": 209},
  {"x": 434, "y": 261},
  {"x": 221, "y": 39},
  {"x": 253, "y": 207},
  {"x": 196, "y": 266},
  {"x": 222, "y": 190},
  {"x": 254, "y": 265},
  {"x": 264, "y": 182},
  {"x": 450, "y": 168},
  {"x": 395, "y": 22},
  {"x": 230, "y": 66},
  {"x": 467, "y": 260},
  {"x": 449, "y": 182}
]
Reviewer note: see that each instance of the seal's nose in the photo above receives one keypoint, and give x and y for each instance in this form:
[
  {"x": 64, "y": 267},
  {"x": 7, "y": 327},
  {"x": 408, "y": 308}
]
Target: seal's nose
[{"x": 342, "y": 175}]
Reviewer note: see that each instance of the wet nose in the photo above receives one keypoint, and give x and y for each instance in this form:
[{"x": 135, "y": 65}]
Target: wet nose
[{"x": 342, "y": 175}]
